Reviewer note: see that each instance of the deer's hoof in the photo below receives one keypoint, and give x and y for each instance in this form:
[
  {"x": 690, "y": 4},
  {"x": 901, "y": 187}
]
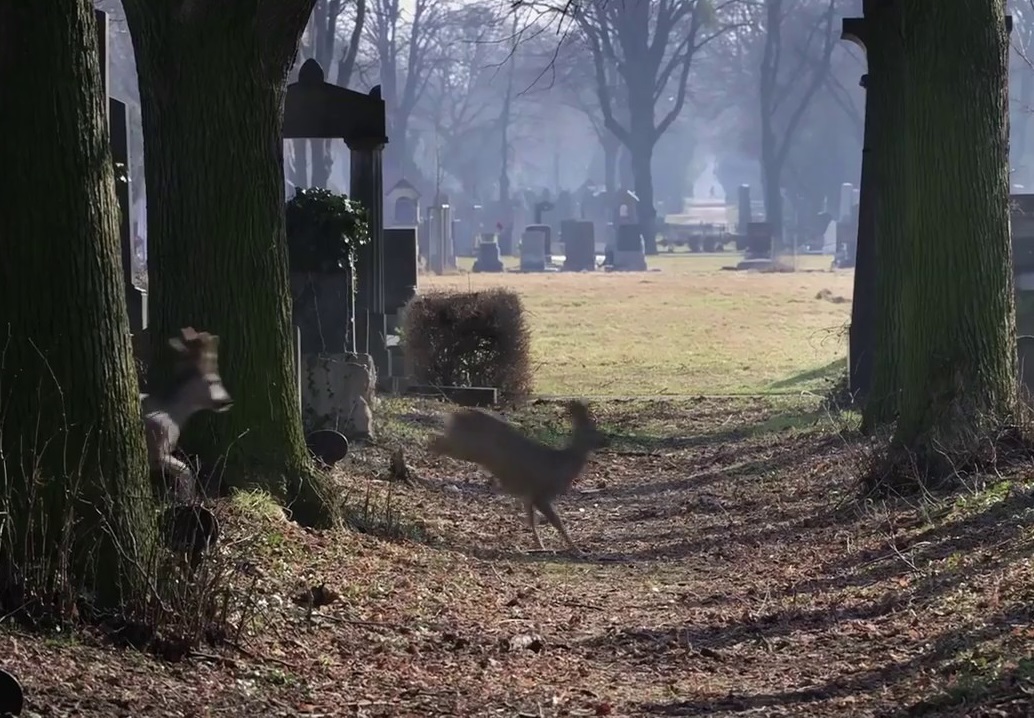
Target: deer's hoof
[
  {"x": 12, "y": 697},
  {"x": 327, "y": 446}
]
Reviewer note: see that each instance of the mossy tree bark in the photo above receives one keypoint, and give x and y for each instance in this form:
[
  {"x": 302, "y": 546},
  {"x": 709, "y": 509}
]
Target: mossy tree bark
[
  {"x": 212, "y": 81},
  {"x": 886, "y": 94},
  {"x": 75, "y": 466},
  {"x": 958, "y": 359}
]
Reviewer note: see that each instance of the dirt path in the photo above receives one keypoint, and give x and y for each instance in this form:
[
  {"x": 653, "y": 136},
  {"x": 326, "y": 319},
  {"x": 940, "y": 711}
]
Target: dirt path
[{"x": 728, "y": 574}]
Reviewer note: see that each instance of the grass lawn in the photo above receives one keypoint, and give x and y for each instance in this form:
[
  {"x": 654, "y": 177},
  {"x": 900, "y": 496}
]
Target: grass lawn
[{"x": 687, "y": 329}]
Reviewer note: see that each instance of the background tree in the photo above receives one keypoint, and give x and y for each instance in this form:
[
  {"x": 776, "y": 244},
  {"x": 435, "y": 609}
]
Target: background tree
[
  {"x": 403, "y": 44},
  {"x": 460, "y": 106},
  {"x": 791, "y": 86},
  {"x": 958, "y": 359},
  {"x": 70, "y": 436},
  {"x": 212, "y": 80},
  {"x": 335, "y": 47},
  {"x": 576, "y": 82},
  {"x": 651, "y": 45}
]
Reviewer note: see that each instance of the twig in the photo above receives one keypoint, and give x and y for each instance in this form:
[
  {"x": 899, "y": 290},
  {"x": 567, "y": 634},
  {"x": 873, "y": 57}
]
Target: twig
[{"x": 364, "y": 624}]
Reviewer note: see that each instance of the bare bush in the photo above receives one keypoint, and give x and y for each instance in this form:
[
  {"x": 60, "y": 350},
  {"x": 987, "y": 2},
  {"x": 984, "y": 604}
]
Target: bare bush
[{"x": 469, "y": 339}]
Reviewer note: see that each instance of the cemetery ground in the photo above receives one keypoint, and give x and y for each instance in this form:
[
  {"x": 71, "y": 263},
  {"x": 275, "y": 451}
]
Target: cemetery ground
[
  {"x": 687, "y": 329},
  {"x": 733, "y": 568}
]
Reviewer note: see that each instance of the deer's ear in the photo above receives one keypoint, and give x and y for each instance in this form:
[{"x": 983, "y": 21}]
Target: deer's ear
[
  {"x": 213, "y": 342},
  {"x": 177, "y": 345},
  {"x": 188, "y": 333}
]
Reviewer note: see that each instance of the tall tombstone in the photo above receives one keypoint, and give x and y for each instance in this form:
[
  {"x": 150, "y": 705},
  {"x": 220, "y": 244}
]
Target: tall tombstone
[
  {"x": 403, "y": 204},
  {"x": 629, "y": 251},
  {"x": 439, "y": 235},
  {"x": 314, "y": 108},
  {"x": 743, "y": 205},
  {"x": 488, "y": 257},
  {"x": 533, "y": 248},
  {"x": 579, "y": 245},
  {"x": 118, "y": 128},
  {"x": 847, "y": 201}
]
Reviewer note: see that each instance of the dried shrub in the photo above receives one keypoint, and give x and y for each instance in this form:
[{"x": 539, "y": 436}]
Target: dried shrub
[{"x": 469, "y": 339}]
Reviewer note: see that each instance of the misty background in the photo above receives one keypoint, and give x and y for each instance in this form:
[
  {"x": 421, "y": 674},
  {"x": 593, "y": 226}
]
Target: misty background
[{"x": 672, "y": 98}]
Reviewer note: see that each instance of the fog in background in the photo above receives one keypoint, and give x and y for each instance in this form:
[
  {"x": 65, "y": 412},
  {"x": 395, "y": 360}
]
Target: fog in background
[{"x": 672, "y": 98}]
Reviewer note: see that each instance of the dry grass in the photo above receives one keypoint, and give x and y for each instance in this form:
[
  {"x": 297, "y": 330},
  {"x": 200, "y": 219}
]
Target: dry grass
[{"x": 687, "y": 329}]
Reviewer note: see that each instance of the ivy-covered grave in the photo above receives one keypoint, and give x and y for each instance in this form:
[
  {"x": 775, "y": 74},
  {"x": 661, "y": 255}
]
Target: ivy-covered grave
[{"x": 324, "y": 232}]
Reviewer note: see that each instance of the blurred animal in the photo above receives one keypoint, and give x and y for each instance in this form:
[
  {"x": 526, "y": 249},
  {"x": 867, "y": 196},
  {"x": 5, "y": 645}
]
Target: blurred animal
[
  {"x": 521, "y": 466},
  {"x": 196, "y": 386}
]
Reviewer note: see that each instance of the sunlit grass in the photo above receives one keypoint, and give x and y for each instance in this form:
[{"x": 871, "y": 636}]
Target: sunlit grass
[{"x": 690, "y": 328}]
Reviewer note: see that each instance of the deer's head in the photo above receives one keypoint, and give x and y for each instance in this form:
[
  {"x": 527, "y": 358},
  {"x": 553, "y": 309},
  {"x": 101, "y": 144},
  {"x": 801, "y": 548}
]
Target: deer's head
[
  {"x": 197, "y": 371},
  {"x": 585, "y": 426}
]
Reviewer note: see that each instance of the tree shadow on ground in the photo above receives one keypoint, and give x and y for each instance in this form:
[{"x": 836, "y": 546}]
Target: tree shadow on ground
[
  {"x": 773, "y": 424},
  {"x": 831, "y": 371},
  {"x": 983, "y": 531},
  {"x": 946, "y": 647},
  {"x": 742, "y": 460}
]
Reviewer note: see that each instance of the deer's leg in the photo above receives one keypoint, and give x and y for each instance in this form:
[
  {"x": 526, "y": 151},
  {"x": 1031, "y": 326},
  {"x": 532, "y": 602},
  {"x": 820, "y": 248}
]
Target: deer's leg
[
  {"x": 529, "y": 507},
  {"x": 179, "y": 478},
  {"x": 553, "y": 517}
]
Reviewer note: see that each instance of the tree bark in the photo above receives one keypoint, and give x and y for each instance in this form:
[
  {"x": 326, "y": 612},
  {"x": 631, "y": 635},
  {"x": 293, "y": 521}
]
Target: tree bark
[
  {"x": 75, "y": 467},
  {"x": 771, "y": 174},
  {"x": 642, "y": 171},
  {"x": 213, "y": 125},
  {"x": 958, "y": 364},
  {"x": 886, "y": 96}
]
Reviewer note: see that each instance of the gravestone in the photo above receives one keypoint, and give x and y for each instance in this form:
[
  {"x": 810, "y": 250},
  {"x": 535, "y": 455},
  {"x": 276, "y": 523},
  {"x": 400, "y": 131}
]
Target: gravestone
[
  {"x": 759, "y": 241},
  {"x": 629, "y": 253},
  {"x": 488, "y": 258},
  {"x": 595, "y": 209},
  {"x": 579, "y": 245},
  {"x": 462, "y": 238},
  {"x": 401, "y": 267},
  {"x": 338, "y": 393},
  {"x": 743, "y": 214},
  {"x": 533, "y": 249},
  {"x": 118, "y": 128},
  {"x": 439, "y": 238},
  {"x": 548, "y": 233},
  {"x": 314, "y": 108},
  {"x": 625, "y": 208},
  {"x": 403, "y": 201},
  {"x": 322, "y": 308},
  {"x": 847, "y": 201}
]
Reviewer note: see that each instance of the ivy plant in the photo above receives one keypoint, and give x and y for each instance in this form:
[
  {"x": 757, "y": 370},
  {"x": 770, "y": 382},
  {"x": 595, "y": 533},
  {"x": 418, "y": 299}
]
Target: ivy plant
[{"x": 324, "y": 231}]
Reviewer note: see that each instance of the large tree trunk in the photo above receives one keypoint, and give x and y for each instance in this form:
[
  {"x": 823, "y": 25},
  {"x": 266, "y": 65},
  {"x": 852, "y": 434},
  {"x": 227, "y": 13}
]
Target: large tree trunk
[
  {"x": 771, "y": 174},
  {"x": 886, "y": 96},
  {"x": 75, "y": 467},
  {"x": 642, "y": 171},
  {"x": 958, "y": 365},
  {"x": 213, "y": 121}
]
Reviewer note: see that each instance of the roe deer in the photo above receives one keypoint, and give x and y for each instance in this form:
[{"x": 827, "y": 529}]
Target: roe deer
[
  {"x": 523, "y": 467},
  {"x": 196, "y": 386}
]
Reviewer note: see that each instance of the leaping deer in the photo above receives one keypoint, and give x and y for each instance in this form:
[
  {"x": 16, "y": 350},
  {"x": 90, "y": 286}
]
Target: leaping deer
[{"x": 196, "y": 386}]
